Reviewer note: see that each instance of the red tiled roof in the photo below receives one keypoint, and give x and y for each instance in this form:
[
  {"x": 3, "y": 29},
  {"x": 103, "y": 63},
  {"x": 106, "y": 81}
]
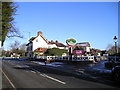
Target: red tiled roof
[
  {"x": 86, "y": 44},
  {"x": 40, "y": 50},
  {"x": 60, "y": 45},
  {"x": 57, "y": 44}
]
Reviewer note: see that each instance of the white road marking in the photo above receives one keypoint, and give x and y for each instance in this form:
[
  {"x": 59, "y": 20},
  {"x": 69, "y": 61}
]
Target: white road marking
[
  {"x": 81, "y": 71},
  {"x": 44, "y": 75},
  {"x": 8, "y": 79},
  {"x": 33, "y": 71}
]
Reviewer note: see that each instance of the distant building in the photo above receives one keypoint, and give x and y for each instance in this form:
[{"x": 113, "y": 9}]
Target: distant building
[
  {"x": 85, "y": 46},
  {"x": 38, "y": 45},
  {"x": 96, "y": 52}
]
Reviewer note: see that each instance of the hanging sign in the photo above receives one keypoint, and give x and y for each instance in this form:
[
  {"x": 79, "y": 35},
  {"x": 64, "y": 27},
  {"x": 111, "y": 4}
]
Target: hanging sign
[{"x": 71, "y": 42}]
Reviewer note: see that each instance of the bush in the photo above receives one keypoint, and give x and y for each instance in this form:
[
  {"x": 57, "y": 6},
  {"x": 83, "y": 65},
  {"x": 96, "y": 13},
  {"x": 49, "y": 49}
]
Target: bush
[{"x": 55, "y": 52}]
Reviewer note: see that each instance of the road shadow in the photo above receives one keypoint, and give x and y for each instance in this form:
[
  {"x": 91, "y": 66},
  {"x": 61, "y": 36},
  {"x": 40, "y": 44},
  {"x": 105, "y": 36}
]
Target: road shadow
[{"x": 55, "y": 70}]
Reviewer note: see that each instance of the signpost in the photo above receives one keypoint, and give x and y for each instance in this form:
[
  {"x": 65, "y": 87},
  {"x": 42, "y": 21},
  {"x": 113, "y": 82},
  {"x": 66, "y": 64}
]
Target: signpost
[{"x": 70, "y": 42}]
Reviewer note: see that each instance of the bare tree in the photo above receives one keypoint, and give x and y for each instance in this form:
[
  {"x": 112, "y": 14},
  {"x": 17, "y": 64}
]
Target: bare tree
[
  {"x": 18, "y": 48},
  {"x": 15, "y": 45},
  {"x": 109, "y": 46}
]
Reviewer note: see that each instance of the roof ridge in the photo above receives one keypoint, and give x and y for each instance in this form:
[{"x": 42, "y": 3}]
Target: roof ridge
[{"x": 44, "y": 38}]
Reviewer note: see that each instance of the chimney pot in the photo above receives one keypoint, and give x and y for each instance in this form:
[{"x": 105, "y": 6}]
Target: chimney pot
[
  {"x": 39, "y": 33},
  {"x": 56, "y": 41}
]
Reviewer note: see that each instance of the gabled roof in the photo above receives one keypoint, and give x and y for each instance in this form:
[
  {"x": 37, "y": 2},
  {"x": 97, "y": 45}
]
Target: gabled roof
[
  {"x": 31, "y": 39},
  {"x": 57, "y": 44},
  {"x": 27, "y": 44},
  {"x": 44, "y": 39},
  {"x": 48, "y": 42},
  {"x": 60, "y": 45},
  {"x": 87, "y": 44}
]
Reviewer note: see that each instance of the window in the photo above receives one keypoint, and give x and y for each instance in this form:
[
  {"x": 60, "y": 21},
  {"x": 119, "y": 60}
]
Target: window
[
  {"x": 49, "y": 47},
  {"x": 36, "y": 40}
]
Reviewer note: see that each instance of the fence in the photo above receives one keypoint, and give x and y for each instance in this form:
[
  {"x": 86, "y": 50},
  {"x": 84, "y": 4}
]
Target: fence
[
  {"x": 112, "y": 58},
  {"x": 78, "y": 58}
]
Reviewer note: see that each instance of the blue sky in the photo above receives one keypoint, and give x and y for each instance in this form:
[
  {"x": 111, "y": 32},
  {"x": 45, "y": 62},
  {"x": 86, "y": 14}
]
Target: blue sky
[{"x": 93, "y": 22}]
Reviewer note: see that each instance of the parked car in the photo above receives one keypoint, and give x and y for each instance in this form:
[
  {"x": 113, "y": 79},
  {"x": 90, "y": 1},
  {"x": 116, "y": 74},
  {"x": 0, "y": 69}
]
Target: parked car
[
  {"x": 109, "y": 64},
  {"x": 116, "y": 73},
  {"x": 112, "y": 63}
]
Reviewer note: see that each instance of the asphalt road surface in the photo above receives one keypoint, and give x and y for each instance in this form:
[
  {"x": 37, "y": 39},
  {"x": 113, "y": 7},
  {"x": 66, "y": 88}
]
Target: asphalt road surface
[{"x": 25, "y": 74}]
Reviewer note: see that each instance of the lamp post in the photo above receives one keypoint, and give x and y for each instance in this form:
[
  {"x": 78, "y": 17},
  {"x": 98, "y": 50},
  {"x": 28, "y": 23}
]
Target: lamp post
[{"x": 115, "y": 40}]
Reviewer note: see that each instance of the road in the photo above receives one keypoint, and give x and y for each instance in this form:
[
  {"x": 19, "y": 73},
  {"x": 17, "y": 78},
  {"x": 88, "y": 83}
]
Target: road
[{"x": 26, "y": 74}]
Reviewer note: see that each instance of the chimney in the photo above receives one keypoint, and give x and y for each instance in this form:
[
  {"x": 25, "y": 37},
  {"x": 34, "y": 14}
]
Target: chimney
[
  {"x": 56, "y": 41},
  {"x": 51, "y": 40},
  {"x": 39, "y": 33}
]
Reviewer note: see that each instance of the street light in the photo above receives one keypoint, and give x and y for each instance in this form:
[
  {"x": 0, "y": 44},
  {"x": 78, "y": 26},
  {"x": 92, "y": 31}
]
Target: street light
[{"x": 115, "y": 40}]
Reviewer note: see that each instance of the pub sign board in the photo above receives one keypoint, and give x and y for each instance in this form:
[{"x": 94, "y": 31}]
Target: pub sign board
[
  {"x": 78, "y": 52},
  {"x": 71, "y": 42}
]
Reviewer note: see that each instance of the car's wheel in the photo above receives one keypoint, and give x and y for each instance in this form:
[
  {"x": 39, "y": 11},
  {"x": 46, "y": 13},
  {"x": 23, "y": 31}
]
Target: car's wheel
[{"x": 116, "y": 76}]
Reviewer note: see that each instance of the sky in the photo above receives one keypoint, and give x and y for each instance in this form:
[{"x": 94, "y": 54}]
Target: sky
[{"x": 93, "y": 22}]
